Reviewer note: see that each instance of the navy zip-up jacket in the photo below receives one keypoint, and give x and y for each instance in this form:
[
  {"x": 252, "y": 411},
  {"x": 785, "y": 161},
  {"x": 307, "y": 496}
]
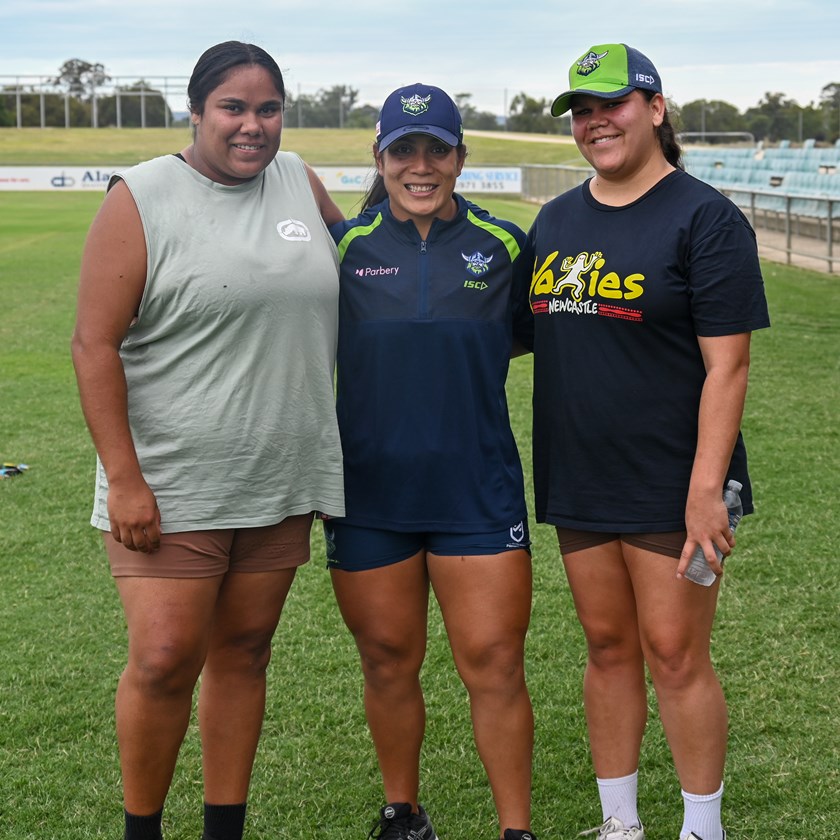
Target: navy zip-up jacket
[{"x": 425, "y": 336}]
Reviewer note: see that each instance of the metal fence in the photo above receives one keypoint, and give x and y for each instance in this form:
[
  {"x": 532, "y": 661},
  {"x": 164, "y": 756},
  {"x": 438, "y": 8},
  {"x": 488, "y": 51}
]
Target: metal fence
[
  {"x": 173, "y": 89},
  {"x": 542, "y": 182},
  {"x": 28, "y": 90},
  {"x": 800, "y": 227}
]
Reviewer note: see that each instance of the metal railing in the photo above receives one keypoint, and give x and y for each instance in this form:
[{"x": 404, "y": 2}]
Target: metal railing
[
  {"x": 21, "y": 89},
  {"x": 799, "y": 219},
  {"x": 542, "y": 182}
]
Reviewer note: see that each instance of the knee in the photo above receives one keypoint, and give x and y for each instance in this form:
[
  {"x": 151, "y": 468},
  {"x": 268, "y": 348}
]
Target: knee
[
  {"x": 497, "y": 665},
  {"x": 387, "y": 661},
  {"x": 674, "y": 666},
  {"x": 247, "y": 653},
  {"x": 165, "y": 669},
  {"x": 608, "y": 651}
]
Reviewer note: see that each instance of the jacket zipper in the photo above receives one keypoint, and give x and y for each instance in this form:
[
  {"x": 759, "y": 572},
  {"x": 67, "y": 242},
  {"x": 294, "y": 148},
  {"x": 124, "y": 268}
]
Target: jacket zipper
[{"x": 424, "y": 281}]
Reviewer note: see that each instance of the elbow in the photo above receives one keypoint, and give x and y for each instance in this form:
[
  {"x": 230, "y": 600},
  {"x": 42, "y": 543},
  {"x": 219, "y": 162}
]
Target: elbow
[
  {"x": 85, "y": 352},
  {"x": 78, "y": 348}
]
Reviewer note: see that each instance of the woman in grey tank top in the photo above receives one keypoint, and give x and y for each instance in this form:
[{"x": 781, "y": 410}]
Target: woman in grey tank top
[{"x": 195, "y": 277}]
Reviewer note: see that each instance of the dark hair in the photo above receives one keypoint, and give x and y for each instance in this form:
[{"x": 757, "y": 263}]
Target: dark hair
[
  {"x": 215, "y": 63},
  {"x": 666, "y": 134},
  {"x": 376, "y": 192}
]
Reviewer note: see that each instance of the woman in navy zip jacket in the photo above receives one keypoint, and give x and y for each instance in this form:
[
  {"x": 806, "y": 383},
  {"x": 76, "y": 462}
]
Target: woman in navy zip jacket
[{"x": 433, "y": 483}]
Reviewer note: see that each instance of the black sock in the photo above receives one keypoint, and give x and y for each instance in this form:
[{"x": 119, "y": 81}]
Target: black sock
[
  {"x": 143, "y": 828},
  {"x": 223, "y": 822}
]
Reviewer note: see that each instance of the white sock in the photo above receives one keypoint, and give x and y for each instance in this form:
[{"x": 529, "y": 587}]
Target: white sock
[
  {"x": 618, "y": 799},
  {"x": 702, "y": 815}
]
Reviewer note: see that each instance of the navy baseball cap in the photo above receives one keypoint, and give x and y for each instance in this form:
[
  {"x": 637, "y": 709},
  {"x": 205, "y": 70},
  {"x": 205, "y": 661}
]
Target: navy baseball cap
[
  {"x": 419, "y": 109},
  {"x": 608, "y": 71}
]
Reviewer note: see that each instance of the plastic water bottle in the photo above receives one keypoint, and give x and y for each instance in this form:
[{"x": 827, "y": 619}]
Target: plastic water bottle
[{"x": 699, "y": 570}]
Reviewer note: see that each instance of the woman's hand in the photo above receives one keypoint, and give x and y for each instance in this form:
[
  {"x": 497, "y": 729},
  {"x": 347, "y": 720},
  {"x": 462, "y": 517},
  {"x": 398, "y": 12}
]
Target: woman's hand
[
  {"x": 134, "y": 515},
  {"x": 707, "y": 525},
  {"x": 727, "y": 362}
]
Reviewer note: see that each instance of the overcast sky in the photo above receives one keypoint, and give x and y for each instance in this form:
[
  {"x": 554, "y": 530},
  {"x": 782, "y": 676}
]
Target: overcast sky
[{"x": 734, "y": 50}]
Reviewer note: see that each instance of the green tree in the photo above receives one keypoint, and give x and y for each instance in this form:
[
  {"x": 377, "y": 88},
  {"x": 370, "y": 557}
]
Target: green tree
[
  {"x": 54, "y": 109},
  {"x": 81, "y": 78},
  {"x": 531, "y": 115},
  {"x": 7, "y": 117},
  {"x": 774, "y": 118},
  {"x": 133, "y": 99},
  {"x": 328, "y": 108},
  {"x": 364, "y": 116},
  {"x": 472, "y": 117},
  {"x": 830, "y": 107},
  {"x": 812, "y": 124},
  {"x": 711, "y": 116}
]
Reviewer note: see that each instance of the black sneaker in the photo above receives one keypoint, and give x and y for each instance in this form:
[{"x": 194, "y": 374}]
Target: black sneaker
[
  {"x": 511, "y": 834},
  {"x": 398, "y": 822}
]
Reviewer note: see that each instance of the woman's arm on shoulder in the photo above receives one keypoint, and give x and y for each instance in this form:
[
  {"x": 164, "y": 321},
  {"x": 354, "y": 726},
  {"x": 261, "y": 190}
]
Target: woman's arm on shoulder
[
  {"x": 111, "y": 285},
  {"x": 329, "y": 209}
]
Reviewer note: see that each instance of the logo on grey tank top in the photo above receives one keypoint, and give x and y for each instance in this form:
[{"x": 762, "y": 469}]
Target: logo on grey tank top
[{"x": 294, "y": 230}]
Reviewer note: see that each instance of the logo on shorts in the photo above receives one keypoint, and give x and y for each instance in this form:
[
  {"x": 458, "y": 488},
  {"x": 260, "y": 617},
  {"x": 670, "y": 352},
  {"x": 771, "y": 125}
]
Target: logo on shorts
[
  {"x": 293, "y": 230},
  {"x": 517, "y": 532},
  {"x": 329, "y": 538}
]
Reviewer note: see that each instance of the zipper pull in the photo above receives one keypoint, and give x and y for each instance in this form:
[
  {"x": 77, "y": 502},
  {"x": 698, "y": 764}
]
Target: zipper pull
[{"x": 423, "y": 246}]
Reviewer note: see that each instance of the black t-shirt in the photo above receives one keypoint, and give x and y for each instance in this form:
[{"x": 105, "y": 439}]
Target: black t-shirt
[{"x": 619, "y": 296}]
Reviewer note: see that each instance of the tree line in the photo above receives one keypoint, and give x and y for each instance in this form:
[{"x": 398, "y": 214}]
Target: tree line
[{"x": 76, "y": 102}]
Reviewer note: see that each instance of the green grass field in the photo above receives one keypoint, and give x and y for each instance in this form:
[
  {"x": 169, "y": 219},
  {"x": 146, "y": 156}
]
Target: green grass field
[{"x": 62, "y": 637}]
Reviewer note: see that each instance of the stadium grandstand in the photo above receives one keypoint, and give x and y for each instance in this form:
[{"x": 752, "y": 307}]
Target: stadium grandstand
[
  {"x": 804, "y": 174},
  {"x": 794, "y": 190}
]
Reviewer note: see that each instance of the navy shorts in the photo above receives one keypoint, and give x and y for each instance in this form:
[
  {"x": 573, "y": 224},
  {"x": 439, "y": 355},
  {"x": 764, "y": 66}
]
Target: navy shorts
[{"x": 354, "y": 549}]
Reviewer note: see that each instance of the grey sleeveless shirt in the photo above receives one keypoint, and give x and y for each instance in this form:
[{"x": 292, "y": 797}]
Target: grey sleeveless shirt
[{"x": 230, "y": 361}]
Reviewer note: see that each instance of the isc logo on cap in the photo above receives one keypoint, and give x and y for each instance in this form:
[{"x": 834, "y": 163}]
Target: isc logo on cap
[{"x": 641, "y": 77}]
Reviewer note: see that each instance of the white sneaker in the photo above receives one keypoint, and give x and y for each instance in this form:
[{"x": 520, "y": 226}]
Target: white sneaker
[
  {"x": 693, "y": 836},
  {"x": 614, "y": 829}
]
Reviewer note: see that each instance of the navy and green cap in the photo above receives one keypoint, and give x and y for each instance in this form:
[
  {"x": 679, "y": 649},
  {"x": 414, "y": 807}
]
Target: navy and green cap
[
  {"x": 608, "y": 71},
  {"x": 419, "y": 109}
]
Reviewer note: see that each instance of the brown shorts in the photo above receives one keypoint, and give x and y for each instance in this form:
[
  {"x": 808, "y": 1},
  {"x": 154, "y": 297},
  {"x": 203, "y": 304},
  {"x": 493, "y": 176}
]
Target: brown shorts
[
  {"x": 670, "y": 543},
  {"x": 199, "y": 554}
]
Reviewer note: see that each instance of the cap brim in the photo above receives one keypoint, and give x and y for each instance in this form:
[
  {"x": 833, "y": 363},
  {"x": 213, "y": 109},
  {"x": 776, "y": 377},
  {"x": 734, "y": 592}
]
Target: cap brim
[
  {"x": 602, "y": 91},
  {"x": 433, "y": 130}
]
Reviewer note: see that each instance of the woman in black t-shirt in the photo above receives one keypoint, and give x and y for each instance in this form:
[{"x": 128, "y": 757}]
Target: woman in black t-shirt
[{"x": 645, "y": 289}]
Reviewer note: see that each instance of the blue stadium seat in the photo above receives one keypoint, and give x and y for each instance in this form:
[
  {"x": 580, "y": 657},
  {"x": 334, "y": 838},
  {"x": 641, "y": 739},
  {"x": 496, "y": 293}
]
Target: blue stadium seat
[{"x": 803, "y": 178}]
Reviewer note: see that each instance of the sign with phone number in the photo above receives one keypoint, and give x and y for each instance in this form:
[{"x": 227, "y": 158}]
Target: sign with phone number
[
  {"x": 335, "y": 178},
  {"x": 472, "y": 180}
]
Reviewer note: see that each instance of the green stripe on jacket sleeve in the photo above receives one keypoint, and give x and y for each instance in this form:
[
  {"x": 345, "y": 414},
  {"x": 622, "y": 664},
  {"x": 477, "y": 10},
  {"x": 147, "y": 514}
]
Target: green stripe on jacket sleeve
[
  {"x": 507, "y": 239},
  {"x": 361, "y": 230}
]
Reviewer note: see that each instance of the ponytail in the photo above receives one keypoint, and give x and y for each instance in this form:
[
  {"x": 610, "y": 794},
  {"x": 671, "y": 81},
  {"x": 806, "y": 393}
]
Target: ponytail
[
  {"x": 376, "y": 192},
  {"x": 667, "y": 135}
]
